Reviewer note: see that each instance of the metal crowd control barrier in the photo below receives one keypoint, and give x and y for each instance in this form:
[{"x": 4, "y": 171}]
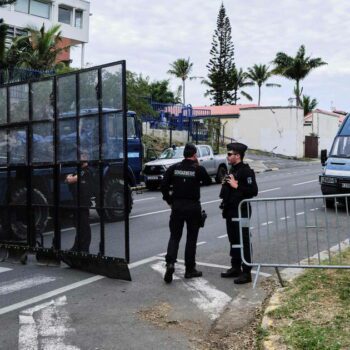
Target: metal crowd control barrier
[
  {"x": 73, "y": 125},
  {"x": 296, "y": 232}
]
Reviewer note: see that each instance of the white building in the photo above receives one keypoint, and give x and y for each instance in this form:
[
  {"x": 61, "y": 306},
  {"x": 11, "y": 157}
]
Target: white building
[{"x": 71, "y": 15}]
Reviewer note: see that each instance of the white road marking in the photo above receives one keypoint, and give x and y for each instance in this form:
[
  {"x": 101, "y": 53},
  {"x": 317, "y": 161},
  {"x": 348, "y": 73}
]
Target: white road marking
[
  {"x": 144, "y": 199},
  {"x": 50, "y": 327},
  {"x": 160, "y": 267},
  {"x": 207, "y": 298},
  {"x": 267, "y": 223},
  {"x": 147, "y": 214},
  {"x": 301, "y": 213},
  {"x": 314, "y": 209},
  {"x": 201, "y": 243},
  {"x": 222, "y": 236},
  {"x": 271, "y": 189},
  {"x": 303, "y": 183},
  {"x": 48, "y": 295},
  {"x": 223, "y": 267},
  {"x": 284, "y": 218},
  {"x": 18, "y": 285},
  {"x": 4, "y": 269},
  {"x": 67, "y": 288}
]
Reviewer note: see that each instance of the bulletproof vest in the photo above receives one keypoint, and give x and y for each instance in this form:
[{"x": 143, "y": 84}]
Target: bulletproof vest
[{"x": 185, "y": 181}]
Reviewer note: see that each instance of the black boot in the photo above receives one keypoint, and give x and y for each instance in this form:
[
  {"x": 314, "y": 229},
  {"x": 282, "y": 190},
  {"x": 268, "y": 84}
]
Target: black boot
[
  {"x": 192, "y": 273},
  {"x": 168, "y": 277},
  {"x": 232, "y": 272},
  {"x": 244, "y": 277}
]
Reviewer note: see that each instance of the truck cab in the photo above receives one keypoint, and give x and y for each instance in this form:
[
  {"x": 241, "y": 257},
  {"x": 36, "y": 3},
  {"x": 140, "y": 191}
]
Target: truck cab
[
  {"x": 216, "y": 165},
  {"x": 335, "y": 177}
]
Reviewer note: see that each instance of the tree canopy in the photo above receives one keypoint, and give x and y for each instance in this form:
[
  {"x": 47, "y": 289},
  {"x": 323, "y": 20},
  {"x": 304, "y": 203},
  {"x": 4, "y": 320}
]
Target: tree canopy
[
  {"x": 259, "y": 74},
  {"x": 296, "y": 68},
  {"x": 221, "y": 62},
  {"x": 308, "y": 104},
  {"x": 181, "y": 68}
]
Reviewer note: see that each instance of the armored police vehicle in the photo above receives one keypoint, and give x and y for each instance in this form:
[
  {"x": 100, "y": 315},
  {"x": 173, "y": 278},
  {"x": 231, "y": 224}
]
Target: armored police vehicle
[
  {"x": 335, "y": 177},
  {"x": 216, "y": 165}
]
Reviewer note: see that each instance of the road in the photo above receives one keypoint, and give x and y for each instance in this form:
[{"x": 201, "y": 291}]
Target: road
[{"x": 41, "y": 306}]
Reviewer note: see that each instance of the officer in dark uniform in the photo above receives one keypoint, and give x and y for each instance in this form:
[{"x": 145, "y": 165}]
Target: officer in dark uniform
[
  {"x": 240, "y": 184},
  {"x": 184, "y": 179},
  {"x": 83, "y": 237}
]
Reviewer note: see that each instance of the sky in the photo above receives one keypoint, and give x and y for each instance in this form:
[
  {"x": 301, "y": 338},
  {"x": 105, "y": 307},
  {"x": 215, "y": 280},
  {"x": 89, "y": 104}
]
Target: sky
[{"x": 151, "y": 34}]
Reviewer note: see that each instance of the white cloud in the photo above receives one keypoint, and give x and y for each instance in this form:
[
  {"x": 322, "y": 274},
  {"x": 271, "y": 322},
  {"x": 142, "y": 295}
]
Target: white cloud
[{"x": 151, "y": 34}]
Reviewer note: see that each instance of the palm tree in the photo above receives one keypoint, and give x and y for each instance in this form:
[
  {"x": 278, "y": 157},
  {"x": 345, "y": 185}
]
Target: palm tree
[
  {"x": 259, "y": 74},
  {"x": 295, "y": 68},
  {"x": 308, "y": 104},
  {"x": 181, "y": 68},
  {"x": 40, "y": 48},
  {"x": 237, "y": 81}
]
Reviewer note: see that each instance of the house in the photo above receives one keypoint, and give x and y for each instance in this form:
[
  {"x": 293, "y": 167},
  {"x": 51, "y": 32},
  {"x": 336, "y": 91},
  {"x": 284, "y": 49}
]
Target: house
[
  {"x": 71, "y": 15},
  {"x": 324, "y": 125}
]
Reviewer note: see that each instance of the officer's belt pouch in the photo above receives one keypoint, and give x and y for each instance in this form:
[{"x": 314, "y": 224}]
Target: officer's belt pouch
[{"x": 203, "y": 218}]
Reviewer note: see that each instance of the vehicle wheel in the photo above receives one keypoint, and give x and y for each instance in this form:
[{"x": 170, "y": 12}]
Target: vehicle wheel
[
  {"x": 152, "y": 186},
  {"x": 114, "y": 197},
  {"x": 222, "y": 172},
  {"x": 18, "y": 215},
  {"x": 329, "y": 203}
]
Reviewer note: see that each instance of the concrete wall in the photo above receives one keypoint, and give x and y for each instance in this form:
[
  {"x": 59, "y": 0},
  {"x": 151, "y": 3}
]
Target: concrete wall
[
  {"x": 270, "y": 129},
  {"x": 178, "y": 136},
  {"x": 325, "y": 126}
]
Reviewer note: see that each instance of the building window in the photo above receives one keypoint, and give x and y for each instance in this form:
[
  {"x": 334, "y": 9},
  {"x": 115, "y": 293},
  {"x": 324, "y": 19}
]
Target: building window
[
  {"x": 64, "y": 15},
  {"x": 22, "y": 6},
  {"x": 39, "y": 8},
  {"x": 34, "y": 7},
  {"x": 79, "y": 18}
]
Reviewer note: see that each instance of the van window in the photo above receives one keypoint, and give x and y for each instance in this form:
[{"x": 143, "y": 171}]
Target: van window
[{"x": 341, "y": 147}]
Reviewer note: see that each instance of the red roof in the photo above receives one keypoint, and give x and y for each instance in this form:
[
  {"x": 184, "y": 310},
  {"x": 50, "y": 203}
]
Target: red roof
[{"x": 226, "y": 109}]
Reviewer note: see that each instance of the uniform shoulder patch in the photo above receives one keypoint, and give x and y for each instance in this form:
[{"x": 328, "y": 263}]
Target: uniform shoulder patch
[{"x": 249, "y": 180}]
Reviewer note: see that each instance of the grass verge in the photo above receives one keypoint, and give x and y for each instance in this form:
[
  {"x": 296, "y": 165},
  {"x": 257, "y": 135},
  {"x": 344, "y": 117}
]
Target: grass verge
[{"x": 315, "y": 310}]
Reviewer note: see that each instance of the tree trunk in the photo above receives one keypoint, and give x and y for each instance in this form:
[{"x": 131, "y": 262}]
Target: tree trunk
[
  {"x": 297, "y": 92},
  {"x": 259, "y": 96},
  {"x": 183, "y": 92}
]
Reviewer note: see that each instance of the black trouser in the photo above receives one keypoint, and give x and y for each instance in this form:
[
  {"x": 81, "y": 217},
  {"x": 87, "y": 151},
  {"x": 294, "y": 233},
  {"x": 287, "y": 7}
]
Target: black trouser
[
  {"x": 189, "y": 212},
  {"x": 233, "y": 234},
  {"x": 83, "y": 236}
]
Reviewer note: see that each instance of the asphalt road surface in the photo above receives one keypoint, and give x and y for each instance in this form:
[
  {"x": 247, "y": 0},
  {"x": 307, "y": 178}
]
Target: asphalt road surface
[{"x": 60, "y": 308}]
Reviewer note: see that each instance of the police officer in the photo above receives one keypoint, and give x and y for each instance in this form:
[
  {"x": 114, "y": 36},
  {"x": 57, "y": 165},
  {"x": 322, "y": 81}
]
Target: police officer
[
  {"x": 83, "y": 237},
  {"x": 184, "y": 179},
  {"x": 240, "y": 184}
]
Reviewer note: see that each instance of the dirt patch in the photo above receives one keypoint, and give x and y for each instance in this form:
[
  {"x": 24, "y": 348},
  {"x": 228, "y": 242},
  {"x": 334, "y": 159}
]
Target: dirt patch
[{"x": 217, "y": 338}]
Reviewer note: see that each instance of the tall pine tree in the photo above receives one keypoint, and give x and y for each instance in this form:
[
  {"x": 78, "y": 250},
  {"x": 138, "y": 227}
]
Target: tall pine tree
[{"x": 221, "y": 61}]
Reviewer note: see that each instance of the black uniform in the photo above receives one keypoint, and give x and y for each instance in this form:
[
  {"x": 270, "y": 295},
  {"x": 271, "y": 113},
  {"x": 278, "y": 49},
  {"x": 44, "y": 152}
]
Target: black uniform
[
  {"x": 231, "y": 197},
  {"x": 185, "y": 179},
  {"x": 83, "y": 236}
]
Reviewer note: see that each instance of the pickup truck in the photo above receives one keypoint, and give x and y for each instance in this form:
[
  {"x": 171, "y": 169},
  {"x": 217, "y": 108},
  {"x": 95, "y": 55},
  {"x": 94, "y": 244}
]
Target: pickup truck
[{"x": 153, "y": 172}]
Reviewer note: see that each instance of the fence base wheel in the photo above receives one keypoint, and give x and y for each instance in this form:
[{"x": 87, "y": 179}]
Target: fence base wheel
[
  {"x": 17, "y": 256},
  {"x": 47, "y": 258},
  {"x": 99, "y": 265},
  {"x": 3, "y": 254}
]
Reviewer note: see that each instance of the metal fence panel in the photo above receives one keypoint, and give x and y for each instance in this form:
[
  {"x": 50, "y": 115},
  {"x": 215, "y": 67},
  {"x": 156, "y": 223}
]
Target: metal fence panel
[
  {"x": 293, "y": 231},
  {"x": 49, "y": 129}
]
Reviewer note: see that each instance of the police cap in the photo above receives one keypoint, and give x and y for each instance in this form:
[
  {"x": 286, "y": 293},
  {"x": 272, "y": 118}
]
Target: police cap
[
  {"x": 237, "y": 147},
  {"x": 190, "y": 150}
]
